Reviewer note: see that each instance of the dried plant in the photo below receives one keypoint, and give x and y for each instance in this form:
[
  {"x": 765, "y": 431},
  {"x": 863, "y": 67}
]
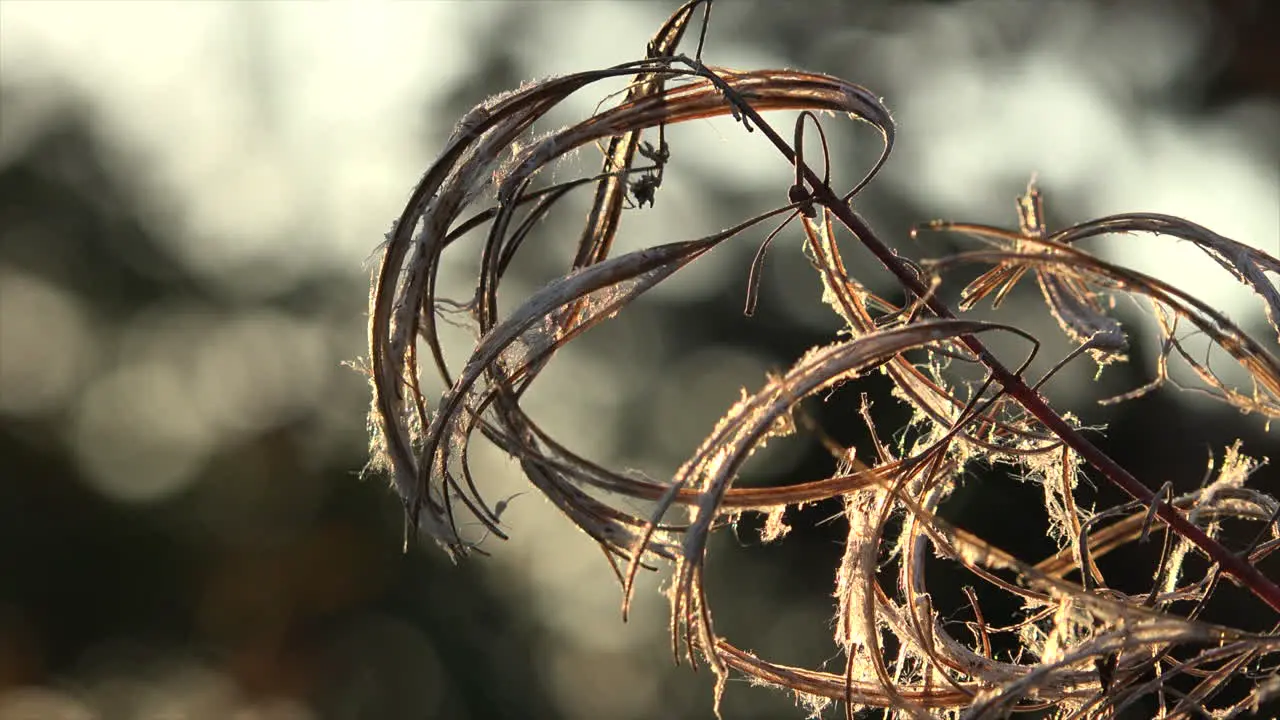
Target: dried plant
[{"x": 1083, "y": 649}]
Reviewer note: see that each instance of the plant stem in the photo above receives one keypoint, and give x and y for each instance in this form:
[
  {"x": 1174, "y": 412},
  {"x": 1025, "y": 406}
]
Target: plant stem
[{"x": 1232, "y": 564}]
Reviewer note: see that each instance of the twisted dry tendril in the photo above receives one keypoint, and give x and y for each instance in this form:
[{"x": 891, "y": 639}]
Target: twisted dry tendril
[{"x": 1084, "y": 647}]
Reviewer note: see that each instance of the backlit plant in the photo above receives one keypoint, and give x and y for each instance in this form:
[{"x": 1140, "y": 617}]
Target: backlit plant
[{"x": 1085, "y": 649}]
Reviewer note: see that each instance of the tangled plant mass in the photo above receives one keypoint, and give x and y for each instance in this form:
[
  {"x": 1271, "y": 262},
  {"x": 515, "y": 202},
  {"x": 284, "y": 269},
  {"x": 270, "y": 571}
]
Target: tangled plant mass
[{"x": 1084, "y": 649}]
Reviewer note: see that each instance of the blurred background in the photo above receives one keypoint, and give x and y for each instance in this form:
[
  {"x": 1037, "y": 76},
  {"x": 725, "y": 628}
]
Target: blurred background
[{"x": 191, "y": 199}]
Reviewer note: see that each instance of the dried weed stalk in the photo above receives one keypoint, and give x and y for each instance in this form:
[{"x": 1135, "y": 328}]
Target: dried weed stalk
[{"x": 1085, "y": 649}]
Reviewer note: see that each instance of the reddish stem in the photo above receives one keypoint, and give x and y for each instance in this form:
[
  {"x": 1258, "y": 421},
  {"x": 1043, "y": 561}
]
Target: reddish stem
[{"x": 1232, "y": 564}]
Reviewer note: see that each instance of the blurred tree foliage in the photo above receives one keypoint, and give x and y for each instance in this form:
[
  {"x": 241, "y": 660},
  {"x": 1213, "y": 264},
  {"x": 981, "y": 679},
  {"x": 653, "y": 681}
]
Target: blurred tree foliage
[{"x": 329, "y": 611}]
